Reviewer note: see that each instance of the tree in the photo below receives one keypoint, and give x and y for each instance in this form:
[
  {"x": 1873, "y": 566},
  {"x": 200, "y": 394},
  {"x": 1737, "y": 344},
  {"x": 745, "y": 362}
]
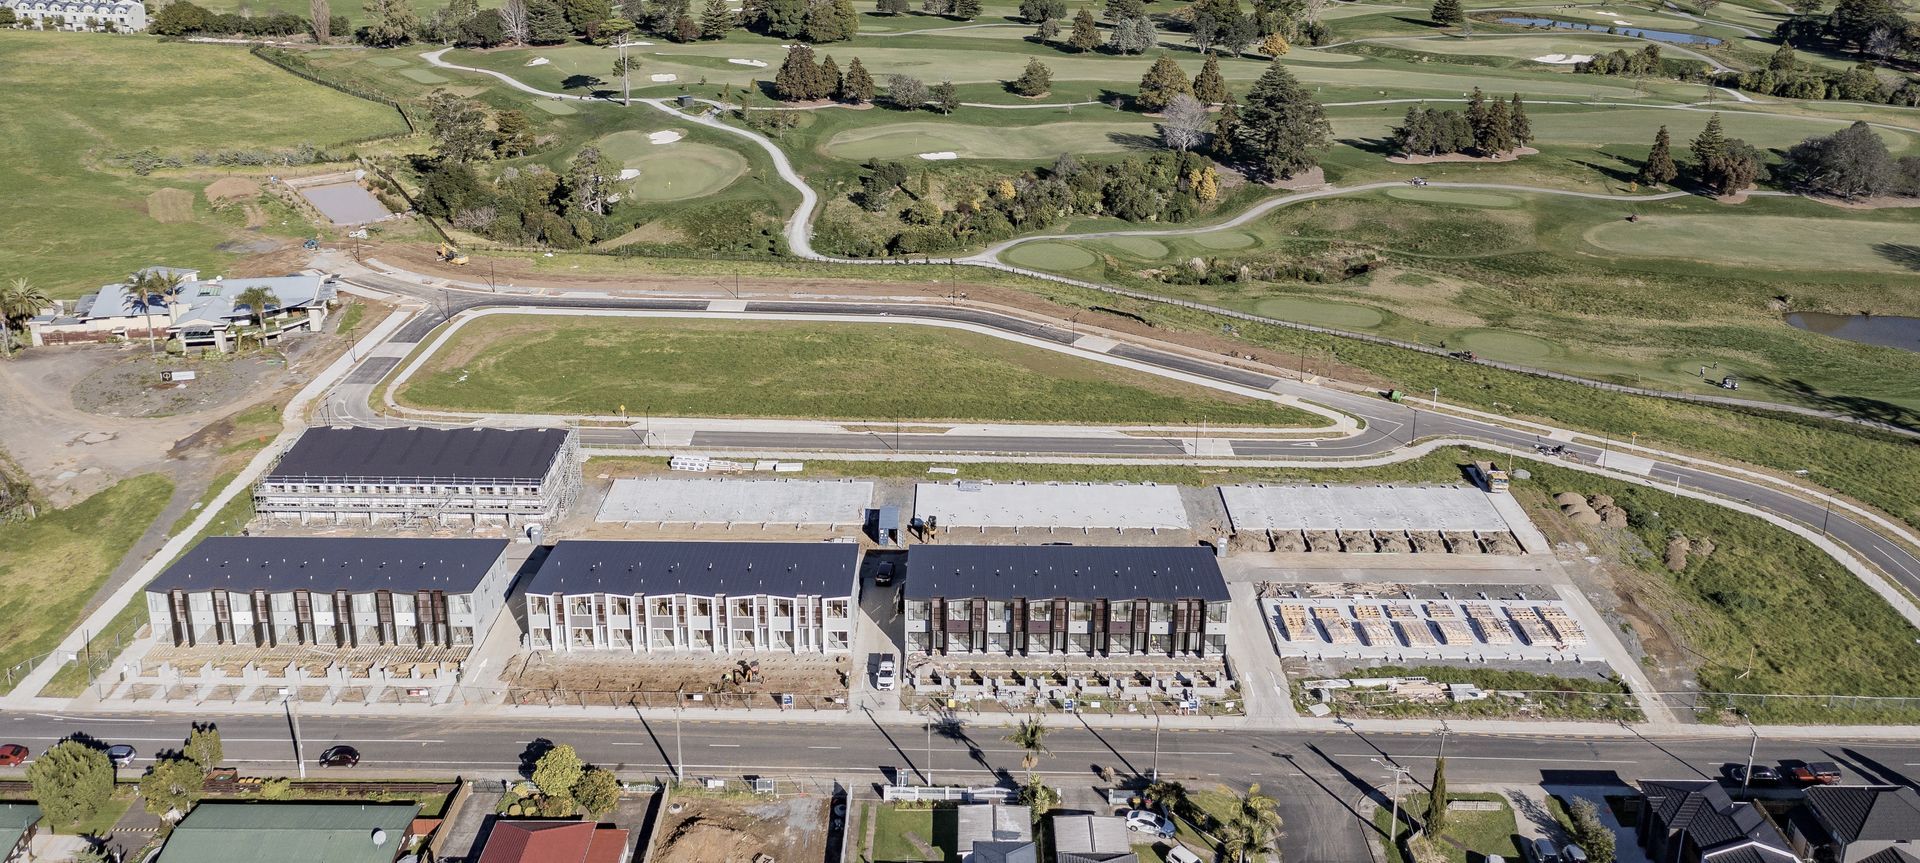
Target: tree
[
  {"x": 204, "y": 747},
  {"x": 624, "y": 66},
  {"x": 716, "y": 19},
  {"x": 799, "y": 77},
  {"x": 831, "y": 81},
  {"x": 1086, "y": 32},
  {"x": 613, "y": 31},
  {"x": 1038, "y": 797},
  {"x": 1035, "y": 81},
  {"x": 588, "y": 178},
  {"x": 1658, "y": 169},
  {"x": 891, "y": 7},
  {"x": 319, "y": 19},
  {"x": 1275, "y": 45},
  {"x": 546, "y": 24},
  {"x": 944, "y": 97},
  {"x": 583, "y": 15},
  {"x": 857, "y": 86},
  {"x": 1521, "y": 126},
  {"x": 786, "y": 19},
  {"x": 557, "y": 771},
  {"x": 1163, "y": 81},
  {"x": 906, "y": 91},
  {"x": 1184, "y": 125},
  {"x": 831, "y": 21},
  {"x": 1208, "y": 86},
  {"x": 1133, "y": 35},
  {"x": 71, "y": 782},
  {"x": 598, "y": 791},
  {"x": 1121, "y": 10},
  {"x": 180, "y": 18},
  {"x": 1733, "y": 170},
  {"x": 258, "y": 301},
  {"x": 459, "y": 127},
  {"x": 1280, "y": 128},
  {"x": 1852, "y": 163},
  {"x": 1036, "y": 11},
  {"x": 1853, "y": 22},
  {"x": 966, "y": 10},
  {"x": 1590, "y": 833},
  {"x": 1047, "y": 31},
  {"x": 19, "y": 301},
  {"x": 513, "y": 14},
  {"x": 1253, "y": 827},
  {"x": 1710, "y": 144},
  {"x": 1030, "y": 734},
  {"x": 1435, "y": 822},
  {"x": 1226, "y": 128},
  {"x": 484, "y": 30},
  {"x": 513, "y": 134},
  {"x": 389, "y": 23},
  {"x": 173, "y": 785},
  {"x": 1446, "y": 12},
  {"x": 1499, "y": 130}
]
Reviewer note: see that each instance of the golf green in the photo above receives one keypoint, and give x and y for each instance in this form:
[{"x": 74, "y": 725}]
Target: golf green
[
  {"x": 1050, "y": 256},
  {"x": 1223, "y": 240},
  {"x": 1139, "y": 247},
  {"x": 907, "y": 140},
  {"x": 424, "y": 76},
  {"x": 555, "y": 106},
  {"x": 1323, "y": 313},
  {"x": 679, "y": 171},
  {"x": 1782, "y": 242},
  {"x": 1456, "y": 197},
  {"x": 1502, "y": 345},
  {"x": 388, "y": 62}
]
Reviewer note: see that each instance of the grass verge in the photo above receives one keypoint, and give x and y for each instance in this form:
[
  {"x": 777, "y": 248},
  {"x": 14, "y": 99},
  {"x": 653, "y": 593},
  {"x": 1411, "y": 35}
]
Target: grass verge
[{"x": 1470, "y": 836}]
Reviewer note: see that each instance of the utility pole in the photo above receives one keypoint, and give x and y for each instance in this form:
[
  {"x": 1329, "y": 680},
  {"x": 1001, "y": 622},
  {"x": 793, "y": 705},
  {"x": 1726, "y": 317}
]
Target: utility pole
[
  {"x": 679, "y": 765},
  {"x": 293, "y": 719},
  {"x": 626, "y": 85},
  {"x": 1156, "y": 745},
  {"x": 1752, "y": 747},
  {"x": 926, "y": 769},
  {"x": 1393, "y": 826},
  {"x": 1826, "y": 514}
]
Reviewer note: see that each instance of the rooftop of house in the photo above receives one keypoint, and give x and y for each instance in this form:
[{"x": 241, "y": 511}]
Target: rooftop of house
[
  {"x": 207, "y": 302},
  {"x": 15, "y": 820},
  {"x": 220, "y": 832},
  {"x": 1851, "y": 813},
  {"x": 1090, "y": 836},
  {"x": 331, "y": 563},
  {"x": 471, "y": 455},
  {"x": 706, "y": 568},
  {"x": 1064, "y": 571},
  {"x": 1701, "y": 809},
  {"x": 554, "y": 842}
]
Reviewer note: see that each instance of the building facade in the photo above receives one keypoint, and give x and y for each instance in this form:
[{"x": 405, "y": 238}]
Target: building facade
[
  {"x": 202, "y": 313},
  {"x": 702, "y": 597},
  {"x": 1065, "y": 600},
  {"x": 408, "y": 477},
  {"x": 115, "y": 16},
  {"x": 268, "y": 591}
]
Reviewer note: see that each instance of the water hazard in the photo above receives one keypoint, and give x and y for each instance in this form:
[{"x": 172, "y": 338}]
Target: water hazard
[
  {"x": 1890, "y": 331},
  {"x": 1635, "y": 32}
]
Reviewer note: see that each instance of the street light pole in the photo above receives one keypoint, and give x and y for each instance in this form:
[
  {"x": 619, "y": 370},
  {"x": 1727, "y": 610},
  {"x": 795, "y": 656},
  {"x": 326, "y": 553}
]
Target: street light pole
[
  {"x": 1393, "y": 826},
  {"x": 293, "y": 719},
  {"x": 679, "y": 765},
  {"x": 1156, "y": 745},
  {"x": 1752, "y": 746},
  {"x": 927, "y": 767}
]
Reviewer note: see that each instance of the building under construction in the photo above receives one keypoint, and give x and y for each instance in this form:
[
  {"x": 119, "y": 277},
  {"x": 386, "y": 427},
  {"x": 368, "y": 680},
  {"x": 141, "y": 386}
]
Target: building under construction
[{"x": 423, "y": 477}]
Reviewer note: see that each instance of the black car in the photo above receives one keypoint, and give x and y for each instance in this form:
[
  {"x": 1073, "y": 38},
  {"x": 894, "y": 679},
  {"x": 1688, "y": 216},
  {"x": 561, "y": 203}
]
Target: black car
[
  {"x": 340, "y": 756},
  {"x": 1762, "y": 774}
]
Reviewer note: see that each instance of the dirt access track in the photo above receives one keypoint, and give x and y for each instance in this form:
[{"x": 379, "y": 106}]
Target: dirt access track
[{"x": 738, "y": 829}]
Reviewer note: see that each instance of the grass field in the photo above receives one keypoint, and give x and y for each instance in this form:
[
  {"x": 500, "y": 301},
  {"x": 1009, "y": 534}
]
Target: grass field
[
  {"x": 62, "y": 202},
  {"x": 673, "y": 172},
  {"x": 779, "y": 369},
  {"x": 905, "y": 140},
  {"x": 1470, "y": 836},
  {"x": 55, "y": 562}
]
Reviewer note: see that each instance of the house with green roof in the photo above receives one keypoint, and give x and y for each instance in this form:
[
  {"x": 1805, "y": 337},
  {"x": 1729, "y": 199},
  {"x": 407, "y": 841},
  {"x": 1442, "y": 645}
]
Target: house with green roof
[
  {"x": 299, "y": 832},
  {"x": 17, "y": 824}
]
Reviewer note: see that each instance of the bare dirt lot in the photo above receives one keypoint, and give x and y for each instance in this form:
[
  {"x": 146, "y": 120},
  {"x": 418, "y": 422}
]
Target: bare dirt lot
[
  {"x": 677, "y": 672},
  {"x": 133, "y": 387},
  {"x": 739, "y": 830}
]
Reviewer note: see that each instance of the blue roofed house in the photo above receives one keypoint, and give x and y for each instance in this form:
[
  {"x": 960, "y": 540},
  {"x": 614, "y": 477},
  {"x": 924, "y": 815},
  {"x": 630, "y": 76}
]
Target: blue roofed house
[{"x": 202, "y": 313}]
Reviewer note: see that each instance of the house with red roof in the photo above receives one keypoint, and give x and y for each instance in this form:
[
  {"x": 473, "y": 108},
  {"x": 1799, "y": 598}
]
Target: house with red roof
[{"x": 521, "y": 841}]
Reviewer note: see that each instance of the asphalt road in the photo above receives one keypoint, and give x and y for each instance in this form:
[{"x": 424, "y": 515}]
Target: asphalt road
[
  {"x": 1322, "y": 780},
  {"x": 1389, "y": 425}
]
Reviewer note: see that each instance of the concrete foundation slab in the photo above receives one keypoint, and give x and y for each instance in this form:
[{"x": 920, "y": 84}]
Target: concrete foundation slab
[
  {"x": 1051, "y": 505},
  {"x": 737, "y": 501},
  {"x": 1343, "y": 507}
]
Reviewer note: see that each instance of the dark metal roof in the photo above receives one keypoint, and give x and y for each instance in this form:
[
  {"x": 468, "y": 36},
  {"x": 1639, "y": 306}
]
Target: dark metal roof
[
  {"x": 1871, "y": 812},
  {"x": 1064, "y": 571},
  {"x": 466, "y": 454},
  {"x": 279, "y": 563},
  {"x": 1701, "y": 809},
  {"x": 731, "y": 568}
]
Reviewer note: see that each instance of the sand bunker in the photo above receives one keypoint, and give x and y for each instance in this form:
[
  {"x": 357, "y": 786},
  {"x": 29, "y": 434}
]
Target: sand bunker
[
  {"x": 941, "y": 156},
  {"x": 664, "y": 77},
  {"x": 1563, "y": 59},
  {"x": 538, "y": 61},
  {"x": 666, "y": 137},
  {"x": 629, "y": 173},
  {"x": 759, "y": 64}
]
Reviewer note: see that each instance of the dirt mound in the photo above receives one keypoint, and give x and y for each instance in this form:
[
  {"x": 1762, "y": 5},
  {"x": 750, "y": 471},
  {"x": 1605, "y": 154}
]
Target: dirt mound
[
  {"x": 1584, "y": 516},
  {"x": 170, "y": 206},
  {"x": 1569, "y": 498},
  {"x": 1676, "y": 555},
  {"x": 1599, "y": 500},
  {"x": 1612, "y": 516},
  {"x": 1703, "y": 547},
  {"x": 231, "y": 189}
]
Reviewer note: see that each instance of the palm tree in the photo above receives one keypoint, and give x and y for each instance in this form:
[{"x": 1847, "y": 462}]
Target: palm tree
[
  {"x": 146, "y": 285},
  {"x": 1171, "y": 795},
  {"x": 19, "y": 300},
  {"x": 258, "y": 300},
  {"x": 1253, "y": 828},
  {"x": 1030, "y": 734}
]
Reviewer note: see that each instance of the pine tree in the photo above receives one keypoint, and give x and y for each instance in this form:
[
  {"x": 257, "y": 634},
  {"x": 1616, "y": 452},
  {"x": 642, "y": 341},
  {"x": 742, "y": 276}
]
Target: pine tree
[
  {"x": 1711, "y": 144},
  {"x": 1446, "y": 12},
  {"x": 1163, "y": 81},
  {"x": 1477, "y": 116},
  {"x": 1086, "y": 32},
  {"x": 1435, "y": 822},
  {"x": 1414, "y": 136},
  {"x": 857, "y": 85},
  {"x": 786, "y": 19},
  {"x": 1281, "y": 127},
  {"x": 831, "y": 21},
  {"x": 1208, "y": 86},
  {"x": 1499, "y": 130},
  {"x": 1226, "y": 128},
  {"x": 966, "y": 10},
  {"x": 1658, "y": 169},
  {"x": 1035, "y": 81},
  {"x": 546, "y": 24},
  {"x": 798, "y": 78},
  {"x": 891, "y": 7},
  {"x": 830, "y": 81},
  {"x": 716, "y": 20},
  {"x": 1522, "y": 127},
  {"x": 1121, "y": 10}
]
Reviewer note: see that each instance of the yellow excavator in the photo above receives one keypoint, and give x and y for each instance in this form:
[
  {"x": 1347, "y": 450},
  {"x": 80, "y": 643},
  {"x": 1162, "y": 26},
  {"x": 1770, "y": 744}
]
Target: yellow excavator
[{"x": 452, "y": 255}]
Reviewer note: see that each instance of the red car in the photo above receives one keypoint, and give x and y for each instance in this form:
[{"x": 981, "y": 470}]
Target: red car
[{"x": 12, "y": 754}]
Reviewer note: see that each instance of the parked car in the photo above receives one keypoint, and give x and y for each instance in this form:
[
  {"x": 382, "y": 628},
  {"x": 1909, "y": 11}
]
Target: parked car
[
  {"x": 1143, "y": 821},
  {"x": 1544, "y": 852},
  {"x": 1816, "y": 773},
  {"x": 884, "y": 577},
  {"x": 1179, "y": 854},
  {"x": 340, "y": 756},
  {"x": 1573, "y": 854},
  {"x": 122, "y": 755},
  {"x": 1761, "y": 774},
  {"x": 883, "y": 679},
  {"x": 12, "y": 754}
]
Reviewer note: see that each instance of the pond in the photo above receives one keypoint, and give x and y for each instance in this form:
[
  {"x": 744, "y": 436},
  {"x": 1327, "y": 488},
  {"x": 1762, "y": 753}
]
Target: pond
[
  {"x": 1890, "y": 331},
  {"x": 1635, "y": 32}
]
